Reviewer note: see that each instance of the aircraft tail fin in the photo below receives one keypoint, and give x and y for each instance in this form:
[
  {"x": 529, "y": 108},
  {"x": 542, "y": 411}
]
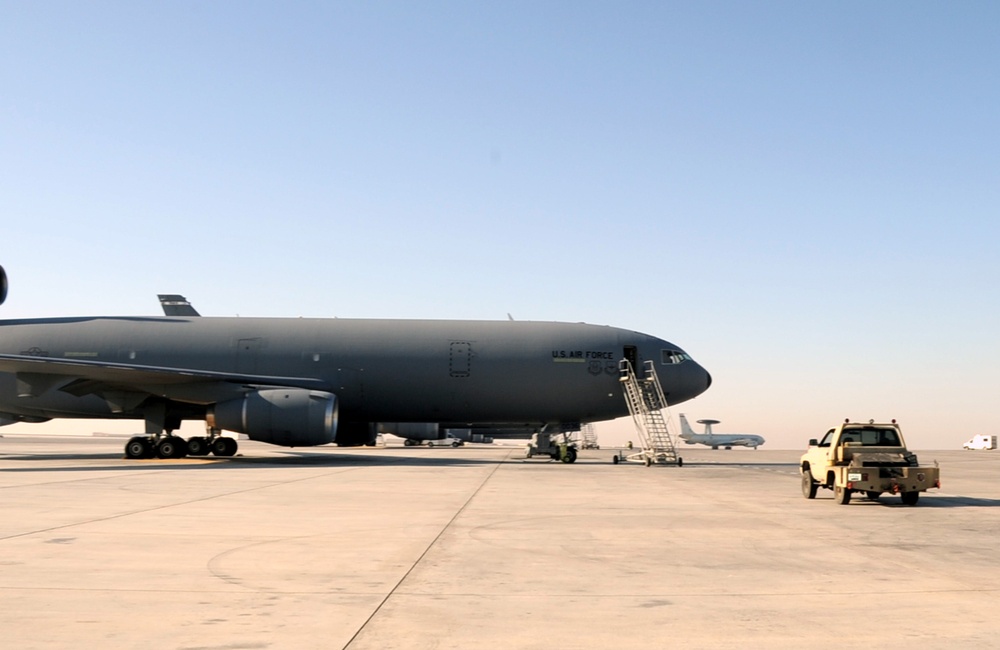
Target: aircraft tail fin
[
  {"x": 686, "y": 430},
  {"x": 176, "y": 305}
]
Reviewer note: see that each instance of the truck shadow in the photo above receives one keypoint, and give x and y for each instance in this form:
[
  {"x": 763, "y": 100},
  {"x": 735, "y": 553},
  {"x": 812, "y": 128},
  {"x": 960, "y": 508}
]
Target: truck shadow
[
  {"x": 958, "y": 502},
  {"x": 927, "y": 501}
]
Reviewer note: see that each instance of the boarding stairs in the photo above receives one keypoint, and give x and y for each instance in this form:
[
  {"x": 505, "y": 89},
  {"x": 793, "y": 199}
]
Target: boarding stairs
[
  {"x": 589, "y": 435},
  {"x": 648, "y": 407}
]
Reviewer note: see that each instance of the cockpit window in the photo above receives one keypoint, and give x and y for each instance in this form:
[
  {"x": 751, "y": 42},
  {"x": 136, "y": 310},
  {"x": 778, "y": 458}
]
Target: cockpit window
[{"x": 672, "y": 357}]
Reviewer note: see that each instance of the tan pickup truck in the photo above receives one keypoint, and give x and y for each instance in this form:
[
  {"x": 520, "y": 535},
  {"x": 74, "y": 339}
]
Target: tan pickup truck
[{"x": 871, "y": 458}]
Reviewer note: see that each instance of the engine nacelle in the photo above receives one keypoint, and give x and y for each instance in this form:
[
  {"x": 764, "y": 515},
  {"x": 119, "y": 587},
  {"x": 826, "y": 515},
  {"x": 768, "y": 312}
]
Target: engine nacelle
[
  {"x": 3, "y": 285},
  {"x": 291, "y": 417}
]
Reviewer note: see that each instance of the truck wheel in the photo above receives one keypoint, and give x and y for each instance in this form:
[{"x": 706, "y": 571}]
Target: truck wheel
[
  {"x": 872, "y": 495},
  {"x": 910, "y": 498},
  {"x": 809, "y": 486},
  {"x": 841, "y": 495}
]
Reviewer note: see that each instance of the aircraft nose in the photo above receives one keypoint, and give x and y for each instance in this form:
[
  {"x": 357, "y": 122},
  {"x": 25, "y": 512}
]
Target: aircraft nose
[
  {"x": 696, "y": 380},
  {"x": 703, "y": 381}
]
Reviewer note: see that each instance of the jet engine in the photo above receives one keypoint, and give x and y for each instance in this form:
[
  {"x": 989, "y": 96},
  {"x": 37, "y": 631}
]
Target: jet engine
[
  {"x": 3, "y": 285},
  {"x": 291, "y": 417}
]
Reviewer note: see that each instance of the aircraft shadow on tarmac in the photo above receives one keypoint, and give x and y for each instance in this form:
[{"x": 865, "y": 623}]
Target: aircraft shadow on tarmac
[
  {"x": 736, "y": 464},
  {"x": 287, "y": 459}
]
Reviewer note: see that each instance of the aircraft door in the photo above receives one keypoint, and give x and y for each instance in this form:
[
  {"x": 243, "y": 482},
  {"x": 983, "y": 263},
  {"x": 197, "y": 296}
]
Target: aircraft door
[
  {"x": 631, "y": 354},
  {"x": 246, "y": 356},
  {"x": 460, "y": 359}
]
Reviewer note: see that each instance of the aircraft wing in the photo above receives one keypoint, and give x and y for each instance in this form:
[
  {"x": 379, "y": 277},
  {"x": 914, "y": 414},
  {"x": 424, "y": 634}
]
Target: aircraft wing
[{"x": 35, "y": 375}]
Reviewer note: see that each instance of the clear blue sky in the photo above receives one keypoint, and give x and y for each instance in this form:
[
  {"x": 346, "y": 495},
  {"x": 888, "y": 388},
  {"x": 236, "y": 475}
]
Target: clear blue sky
[{"x": 802, "y": 195}]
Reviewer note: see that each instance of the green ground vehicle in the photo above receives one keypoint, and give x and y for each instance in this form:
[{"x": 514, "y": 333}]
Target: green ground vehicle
[{"x": 869, "y": 458}]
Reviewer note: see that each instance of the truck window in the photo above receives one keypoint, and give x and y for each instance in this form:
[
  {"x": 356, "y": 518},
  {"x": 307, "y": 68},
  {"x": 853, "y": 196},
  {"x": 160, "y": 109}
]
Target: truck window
[
  {"x": 825, "y": 442},
  {"x": 888, "y": 438},
  {"x": 872, "y": 436}
]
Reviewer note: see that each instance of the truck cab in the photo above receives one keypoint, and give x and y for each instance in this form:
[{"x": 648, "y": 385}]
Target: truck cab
[{"x": 865, "y": 457}]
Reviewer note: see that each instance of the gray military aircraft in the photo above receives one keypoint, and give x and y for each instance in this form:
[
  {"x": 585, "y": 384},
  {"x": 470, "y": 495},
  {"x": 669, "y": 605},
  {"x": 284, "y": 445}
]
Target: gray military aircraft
[
  {"x": 302, "y": 382},
  {"x": 716, "y": 440}
]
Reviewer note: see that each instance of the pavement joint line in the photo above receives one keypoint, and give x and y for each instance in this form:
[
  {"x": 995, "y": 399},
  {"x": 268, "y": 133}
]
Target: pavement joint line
[
  {"x": 166, "y": 506},
  {"x": 427, "y": 550}
]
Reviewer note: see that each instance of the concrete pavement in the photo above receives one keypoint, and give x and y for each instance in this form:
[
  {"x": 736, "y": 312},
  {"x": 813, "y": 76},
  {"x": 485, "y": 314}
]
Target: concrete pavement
[{"x": 477, "y": 548}]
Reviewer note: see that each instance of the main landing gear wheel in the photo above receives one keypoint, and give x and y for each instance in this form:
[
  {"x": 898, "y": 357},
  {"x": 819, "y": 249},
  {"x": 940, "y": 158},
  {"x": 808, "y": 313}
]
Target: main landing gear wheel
[
  {"x": 171, "y": 447},
  {"x": 198, "y": 446},
  {"x": 224, "y": 447},
  {"x": 569, "y": 456},
  {"x": 139, "y": 447}
]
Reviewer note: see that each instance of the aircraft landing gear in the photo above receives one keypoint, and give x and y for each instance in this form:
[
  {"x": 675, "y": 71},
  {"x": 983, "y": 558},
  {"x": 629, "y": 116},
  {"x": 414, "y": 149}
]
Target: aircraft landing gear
[
  {"x": 168, "y": 446},
  {"x": 198, "y": 446},
  {"x": 139, "y": 447},
  {"x": 216, "y": 444},
  {"x": 171, "y": 446},
  {"x": 224, "y": 447}
]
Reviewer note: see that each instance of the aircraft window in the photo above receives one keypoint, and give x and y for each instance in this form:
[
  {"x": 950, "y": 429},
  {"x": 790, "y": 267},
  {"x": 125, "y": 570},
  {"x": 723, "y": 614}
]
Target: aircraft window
[{"x": 672, "y": 357}]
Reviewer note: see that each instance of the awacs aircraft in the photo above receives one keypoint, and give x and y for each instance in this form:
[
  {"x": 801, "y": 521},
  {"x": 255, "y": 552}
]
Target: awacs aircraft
[
  {"x": 716, "y": 440},
  {"x": 302, "y": 382}
]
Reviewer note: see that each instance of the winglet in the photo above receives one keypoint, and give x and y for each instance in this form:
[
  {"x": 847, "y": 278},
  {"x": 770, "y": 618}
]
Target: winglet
[{"x": 176, "y": 305}]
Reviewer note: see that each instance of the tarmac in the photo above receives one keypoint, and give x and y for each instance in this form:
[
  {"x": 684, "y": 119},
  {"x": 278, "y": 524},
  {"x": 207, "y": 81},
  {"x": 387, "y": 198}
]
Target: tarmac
[{"x": 476, "y": 547}]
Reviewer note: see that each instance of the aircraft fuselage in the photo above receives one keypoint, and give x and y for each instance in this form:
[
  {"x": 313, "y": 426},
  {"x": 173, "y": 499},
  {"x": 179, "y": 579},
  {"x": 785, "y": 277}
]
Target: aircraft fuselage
[{"x": 458, "y": 372}]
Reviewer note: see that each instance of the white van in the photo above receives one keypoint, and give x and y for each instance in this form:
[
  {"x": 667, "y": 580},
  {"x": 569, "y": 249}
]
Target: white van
[{"x": 981, "y": 442}]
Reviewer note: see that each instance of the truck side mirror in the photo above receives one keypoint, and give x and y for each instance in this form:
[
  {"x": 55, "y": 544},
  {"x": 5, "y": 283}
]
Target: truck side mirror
[{"x": 813, "y": 442}]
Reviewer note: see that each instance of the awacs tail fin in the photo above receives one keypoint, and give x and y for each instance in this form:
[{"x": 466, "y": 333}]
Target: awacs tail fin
[
  {"x": 176, "y": 305},
  {"x": 686, "y": 430}
]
